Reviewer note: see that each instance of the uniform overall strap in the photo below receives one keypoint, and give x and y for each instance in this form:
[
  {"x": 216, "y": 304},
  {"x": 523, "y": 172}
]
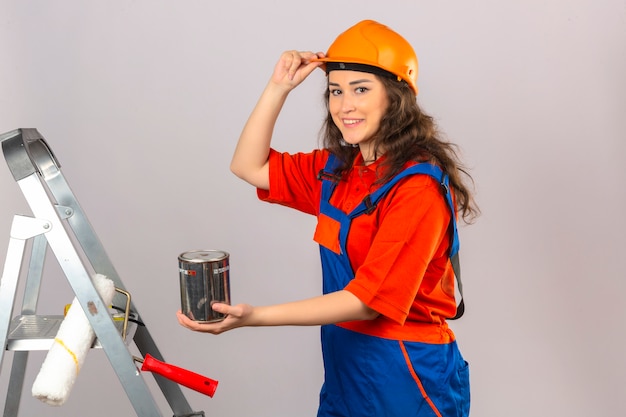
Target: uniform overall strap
[
  {"x": 454, "y": 246},
  {"x": 369, "y": 203},
  {"x": 329, "y": 182},
  {"x": 328, "y": 177}
]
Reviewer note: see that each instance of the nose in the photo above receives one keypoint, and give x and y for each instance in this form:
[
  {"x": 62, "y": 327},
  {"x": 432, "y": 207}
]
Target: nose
[{"x": 347, "y": 103}]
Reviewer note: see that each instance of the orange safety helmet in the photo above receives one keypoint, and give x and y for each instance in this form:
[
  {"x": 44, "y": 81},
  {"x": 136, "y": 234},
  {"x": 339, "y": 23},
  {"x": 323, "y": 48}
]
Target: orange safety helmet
[{"x": 373, "y": 44}]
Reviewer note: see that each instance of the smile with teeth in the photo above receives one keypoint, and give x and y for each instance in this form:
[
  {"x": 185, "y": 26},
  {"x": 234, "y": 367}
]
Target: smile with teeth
[{"x": 351, "y": 121}]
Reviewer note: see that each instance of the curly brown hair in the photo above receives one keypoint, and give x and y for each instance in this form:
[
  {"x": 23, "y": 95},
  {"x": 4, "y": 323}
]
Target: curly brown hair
[{"x": 406, "y": 133}]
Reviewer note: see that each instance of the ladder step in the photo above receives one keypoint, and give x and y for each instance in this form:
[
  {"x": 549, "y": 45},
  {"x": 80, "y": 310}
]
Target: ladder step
[{"x": 37, "y": 332}]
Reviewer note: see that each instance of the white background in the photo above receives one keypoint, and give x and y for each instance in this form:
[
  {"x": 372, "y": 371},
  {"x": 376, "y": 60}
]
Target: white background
[{"x": 143, "y": 101}]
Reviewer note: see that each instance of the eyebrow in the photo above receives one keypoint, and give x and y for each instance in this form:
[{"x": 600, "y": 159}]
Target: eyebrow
[{"x": 364, "y": 80}]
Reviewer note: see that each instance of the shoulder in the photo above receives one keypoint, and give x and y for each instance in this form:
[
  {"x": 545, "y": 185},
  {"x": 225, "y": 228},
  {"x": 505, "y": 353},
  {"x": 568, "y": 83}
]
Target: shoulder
[
  {"x": 421, "y": 176},
  {"x": 418, "y": 192}
]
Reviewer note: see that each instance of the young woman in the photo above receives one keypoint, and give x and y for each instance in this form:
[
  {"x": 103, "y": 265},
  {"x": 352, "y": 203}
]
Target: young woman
[{"x": 386, "y": 190}]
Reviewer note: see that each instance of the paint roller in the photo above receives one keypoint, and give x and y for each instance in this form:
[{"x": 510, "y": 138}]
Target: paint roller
[
  {"x": 67, "y": 354},
  {"x": 74, "y": 339}
]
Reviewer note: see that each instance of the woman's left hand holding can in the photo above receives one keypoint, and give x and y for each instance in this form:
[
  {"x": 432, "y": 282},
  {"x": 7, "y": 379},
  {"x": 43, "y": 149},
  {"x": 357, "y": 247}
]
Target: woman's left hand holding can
[{"x": 236, "y": 316}]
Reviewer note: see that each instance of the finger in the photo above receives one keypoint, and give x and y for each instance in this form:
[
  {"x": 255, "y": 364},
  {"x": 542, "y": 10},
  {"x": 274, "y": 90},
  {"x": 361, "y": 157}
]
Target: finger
[
  {"x": 309, "y": 56},
  {"x": 221, "y": 308},
  {"x": 183, "y": 320},
  {"x": 294, "y": 62}
]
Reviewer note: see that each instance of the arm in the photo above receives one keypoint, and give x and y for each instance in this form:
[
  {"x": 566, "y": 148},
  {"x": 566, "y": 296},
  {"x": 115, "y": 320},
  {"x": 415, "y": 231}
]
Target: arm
[
  {"x": 250, "y": 160},
  {"x": 335, "y": 307}
]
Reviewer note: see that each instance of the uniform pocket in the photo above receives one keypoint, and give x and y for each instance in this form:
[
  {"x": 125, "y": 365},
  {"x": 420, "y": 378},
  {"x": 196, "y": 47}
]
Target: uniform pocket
[
  {"x": 442, "y": 376},
  {"x": 460, "y": 389},
  {"x": 327, "y": 233}
]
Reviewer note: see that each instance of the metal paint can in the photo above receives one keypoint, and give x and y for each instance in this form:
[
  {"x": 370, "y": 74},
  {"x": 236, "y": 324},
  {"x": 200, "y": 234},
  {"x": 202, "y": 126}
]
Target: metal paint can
[{"x": 204, "y": 280}]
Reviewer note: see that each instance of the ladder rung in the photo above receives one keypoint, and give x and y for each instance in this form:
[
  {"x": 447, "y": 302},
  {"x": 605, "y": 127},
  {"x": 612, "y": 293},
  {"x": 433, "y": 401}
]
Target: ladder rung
[{"x": 36, "y": 332}]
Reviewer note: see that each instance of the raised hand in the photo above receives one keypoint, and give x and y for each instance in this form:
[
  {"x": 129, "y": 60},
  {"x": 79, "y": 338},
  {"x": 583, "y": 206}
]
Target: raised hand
[{"x": 294, "y": 66}]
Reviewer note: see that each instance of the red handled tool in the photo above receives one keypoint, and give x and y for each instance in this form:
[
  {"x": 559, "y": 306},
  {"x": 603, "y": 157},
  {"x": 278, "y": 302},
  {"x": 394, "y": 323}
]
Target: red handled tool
[{"x": 181, "y": 376}]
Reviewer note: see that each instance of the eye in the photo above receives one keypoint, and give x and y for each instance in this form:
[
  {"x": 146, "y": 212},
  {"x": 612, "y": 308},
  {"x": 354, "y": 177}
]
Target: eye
[
  {"x": 335, "y": 92},
  {"x": 360, "y": 90}
]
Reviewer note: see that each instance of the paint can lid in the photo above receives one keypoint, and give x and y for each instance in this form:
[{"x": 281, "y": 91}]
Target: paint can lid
[{"x": 201, "y": 256}]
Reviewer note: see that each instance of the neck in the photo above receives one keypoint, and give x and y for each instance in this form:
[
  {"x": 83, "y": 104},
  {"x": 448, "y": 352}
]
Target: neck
[{"x": 369, "y": 154}]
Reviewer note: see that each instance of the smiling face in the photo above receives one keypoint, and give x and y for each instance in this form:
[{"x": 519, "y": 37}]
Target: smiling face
[{"x": 357, "y": 103}]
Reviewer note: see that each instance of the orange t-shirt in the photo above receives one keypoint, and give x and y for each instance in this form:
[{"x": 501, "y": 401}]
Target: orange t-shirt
[{"x": 399, "y": 253}]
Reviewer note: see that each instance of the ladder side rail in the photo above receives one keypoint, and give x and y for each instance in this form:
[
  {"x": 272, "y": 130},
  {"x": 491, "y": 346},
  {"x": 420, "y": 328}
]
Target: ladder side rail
[
  {"x": 14, "y": 391},
  {"x": 22, "y": 229},
  {"x": 29, "y": 306},
  {"x": 82, "y": 228},
  {"x": 96, "y": 312},
  {"x": 8, "y": 288},
  {"x": 171, "y": 390},
  {"x": 35, "y": 274}
]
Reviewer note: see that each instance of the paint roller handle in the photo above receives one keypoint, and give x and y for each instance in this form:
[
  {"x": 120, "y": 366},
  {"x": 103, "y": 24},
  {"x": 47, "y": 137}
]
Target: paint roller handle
[{"x": 181, "y": 376}]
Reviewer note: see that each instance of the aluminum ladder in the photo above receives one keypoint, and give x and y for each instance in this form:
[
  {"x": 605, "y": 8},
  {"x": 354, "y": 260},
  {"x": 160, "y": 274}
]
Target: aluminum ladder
[{"x": 59, "y": 222}]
